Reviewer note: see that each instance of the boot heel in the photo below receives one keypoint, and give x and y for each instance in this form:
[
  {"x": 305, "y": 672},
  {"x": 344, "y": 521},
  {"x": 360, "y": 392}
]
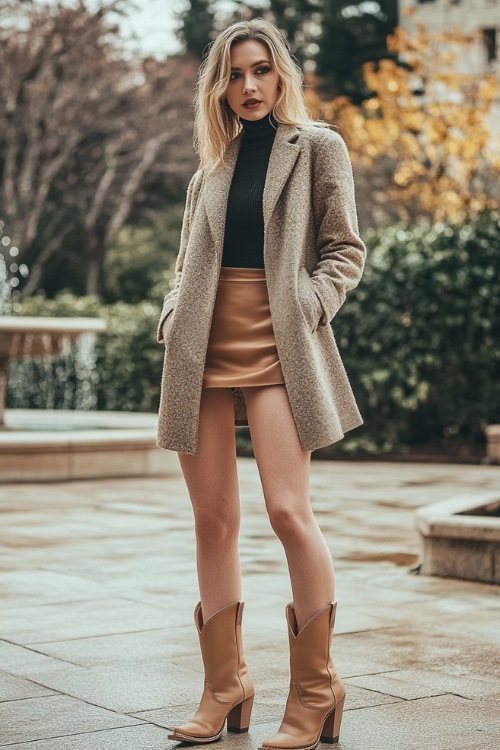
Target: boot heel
[
  {"x": 331, "y": 727},
  {"x": 238, "y": 719}
]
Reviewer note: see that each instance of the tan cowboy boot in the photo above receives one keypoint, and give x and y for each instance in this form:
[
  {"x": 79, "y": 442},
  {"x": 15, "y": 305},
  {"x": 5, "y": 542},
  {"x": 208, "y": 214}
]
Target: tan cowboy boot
[
  {"x": 228, "y": 692},
  {"x": 316, "y": 699}
]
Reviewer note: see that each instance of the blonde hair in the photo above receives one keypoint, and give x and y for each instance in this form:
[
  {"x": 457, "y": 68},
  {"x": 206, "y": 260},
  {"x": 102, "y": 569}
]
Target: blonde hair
[{"x": 215, "y": 123}]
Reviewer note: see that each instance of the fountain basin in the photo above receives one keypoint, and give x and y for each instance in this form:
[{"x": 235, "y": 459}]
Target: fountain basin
[
  {"x": 22, "y": 337},
  {"x": 461, "y": 538},
  {"x": 49, "y": 445},
  {"x": 42, "y": 336}
]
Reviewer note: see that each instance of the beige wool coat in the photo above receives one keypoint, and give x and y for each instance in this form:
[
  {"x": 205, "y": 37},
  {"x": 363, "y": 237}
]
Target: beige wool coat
[{"x": 313, "y": 255}]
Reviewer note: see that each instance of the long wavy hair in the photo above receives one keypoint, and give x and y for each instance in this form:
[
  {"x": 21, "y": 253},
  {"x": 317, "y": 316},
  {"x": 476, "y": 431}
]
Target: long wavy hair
[{"x": 215, "y": 123}]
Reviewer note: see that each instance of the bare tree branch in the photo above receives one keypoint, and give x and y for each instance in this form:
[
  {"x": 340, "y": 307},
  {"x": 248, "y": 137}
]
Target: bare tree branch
[{"x": 77, "y": 119}]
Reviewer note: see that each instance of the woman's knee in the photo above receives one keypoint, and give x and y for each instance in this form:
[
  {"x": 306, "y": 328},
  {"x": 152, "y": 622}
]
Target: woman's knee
[
  {"x": 217, "y": 522},
  {"x": 288, "y": 522}
]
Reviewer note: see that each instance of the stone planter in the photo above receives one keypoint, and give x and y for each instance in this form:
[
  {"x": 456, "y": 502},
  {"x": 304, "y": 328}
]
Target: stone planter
[{"x": 461, "y": 538}]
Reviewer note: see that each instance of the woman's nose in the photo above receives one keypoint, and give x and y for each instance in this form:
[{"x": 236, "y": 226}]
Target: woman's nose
[{"x": 248, "y": 84}]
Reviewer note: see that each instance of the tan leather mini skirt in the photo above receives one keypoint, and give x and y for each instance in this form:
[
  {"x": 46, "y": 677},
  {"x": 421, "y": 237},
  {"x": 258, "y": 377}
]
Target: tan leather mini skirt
[{"x": 241, "y": 348}]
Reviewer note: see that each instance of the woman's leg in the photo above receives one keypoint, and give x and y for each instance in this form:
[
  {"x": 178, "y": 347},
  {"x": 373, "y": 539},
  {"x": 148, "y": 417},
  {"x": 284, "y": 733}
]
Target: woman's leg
[
  {"x": 284, "y": 471},
  {"x": 212, "y": 482}
]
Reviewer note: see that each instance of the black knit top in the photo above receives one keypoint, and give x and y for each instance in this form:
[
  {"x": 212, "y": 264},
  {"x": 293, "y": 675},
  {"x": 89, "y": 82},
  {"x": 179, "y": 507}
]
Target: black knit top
[{"x": 244, "y": 230}]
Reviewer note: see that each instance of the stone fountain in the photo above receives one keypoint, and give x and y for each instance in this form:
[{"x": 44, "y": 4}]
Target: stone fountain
[
  {"x": 22, "y": 337},
  {"x": 47, "y": 444}
]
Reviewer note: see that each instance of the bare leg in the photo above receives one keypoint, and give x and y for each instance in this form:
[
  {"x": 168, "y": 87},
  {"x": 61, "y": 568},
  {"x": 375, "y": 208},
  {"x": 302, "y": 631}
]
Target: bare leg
[
  {"x": 212, "y": 481},
  {"x": 284, "y": 472}
]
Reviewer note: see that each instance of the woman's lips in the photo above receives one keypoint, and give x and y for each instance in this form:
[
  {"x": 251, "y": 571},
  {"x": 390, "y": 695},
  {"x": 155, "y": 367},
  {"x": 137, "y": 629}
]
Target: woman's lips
[{"x": 252, "y": 105}]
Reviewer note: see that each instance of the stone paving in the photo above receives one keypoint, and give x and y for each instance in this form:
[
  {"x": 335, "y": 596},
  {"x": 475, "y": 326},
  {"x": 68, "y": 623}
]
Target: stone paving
[{"x": 98, "y": 585}]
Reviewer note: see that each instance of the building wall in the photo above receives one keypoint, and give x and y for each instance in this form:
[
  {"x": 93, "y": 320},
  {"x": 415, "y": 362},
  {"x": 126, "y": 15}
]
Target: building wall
[{"x": 468, "y": 16}]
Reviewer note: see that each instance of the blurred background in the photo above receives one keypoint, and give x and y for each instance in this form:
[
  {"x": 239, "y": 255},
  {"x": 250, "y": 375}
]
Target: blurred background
[{"x": 96, "y": 152}]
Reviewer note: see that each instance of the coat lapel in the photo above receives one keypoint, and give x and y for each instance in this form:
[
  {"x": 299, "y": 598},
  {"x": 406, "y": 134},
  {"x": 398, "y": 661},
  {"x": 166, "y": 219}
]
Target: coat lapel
[
  {"x": 215, "y": 192},
  {"x": 216, "y": 186},
  {"x": 283, "y": 156}
]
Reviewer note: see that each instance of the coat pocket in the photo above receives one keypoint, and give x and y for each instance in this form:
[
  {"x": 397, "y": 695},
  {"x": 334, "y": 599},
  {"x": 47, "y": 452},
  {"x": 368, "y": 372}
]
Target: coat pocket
[
  {"x": 310, "y": 303},
  {"x": 166, "y": 324}
]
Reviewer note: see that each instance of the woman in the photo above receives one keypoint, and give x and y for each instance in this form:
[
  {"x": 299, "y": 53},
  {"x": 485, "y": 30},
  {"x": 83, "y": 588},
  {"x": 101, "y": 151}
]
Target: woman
[{"x": 269, "y": 248}]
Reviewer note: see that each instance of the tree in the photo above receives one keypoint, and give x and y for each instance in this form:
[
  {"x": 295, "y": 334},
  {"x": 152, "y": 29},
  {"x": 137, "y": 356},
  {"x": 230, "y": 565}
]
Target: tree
[
  {"x": 351, "y": 35},
  {"x": 42, "y": 118},
  {"x": 81, "y": 132},
  {"x": 197, "y": 26},
  {"x": 424, "y": 136},
  {"x": 149, "y": 127}
]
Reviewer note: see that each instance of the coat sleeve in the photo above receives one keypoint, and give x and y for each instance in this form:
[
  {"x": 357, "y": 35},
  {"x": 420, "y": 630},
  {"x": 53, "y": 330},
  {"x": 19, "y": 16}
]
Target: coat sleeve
[
  {"x": 169, "y": 301},
  {"x": 342, "y": 251}
]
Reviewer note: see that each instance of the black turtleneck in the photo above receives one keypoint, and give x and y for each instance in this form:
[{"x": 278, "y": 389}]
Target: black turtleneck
[{"x": 244, "y": 230}]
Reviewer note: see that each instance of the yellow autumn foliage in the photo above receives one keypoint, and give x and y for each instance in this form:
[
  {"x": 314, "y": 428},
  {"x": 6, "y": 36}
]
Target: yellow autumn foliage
[{"x": 432, "y": 121}]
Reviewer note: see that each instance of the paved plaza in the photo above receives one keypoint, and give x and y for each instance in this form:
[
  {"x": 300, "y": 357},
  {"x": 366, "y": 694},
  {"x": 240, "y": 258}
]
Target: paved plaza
[{"x": 98, "y": 649}]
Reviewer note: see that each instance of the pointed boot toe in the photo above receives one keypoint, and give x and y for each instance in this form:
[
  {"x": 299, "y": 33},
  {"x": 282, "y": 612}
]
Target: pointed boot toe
[{"x": 196, "y": 732}]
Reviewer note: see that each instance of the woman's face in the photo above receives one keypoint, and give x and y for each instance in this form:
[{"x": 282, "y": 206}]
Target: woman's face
[{"x": 253, "y": 86}]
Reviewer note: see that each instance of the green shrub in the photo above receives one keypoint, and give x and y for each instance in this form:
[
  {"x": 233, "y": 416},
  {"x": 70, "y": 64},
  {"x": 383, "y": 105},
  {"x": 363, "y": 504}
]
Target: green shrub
[
  {"x": 140, "y": 263},
  {"x": 420, "y": 335},
  {"x": 130, "y": 359}
]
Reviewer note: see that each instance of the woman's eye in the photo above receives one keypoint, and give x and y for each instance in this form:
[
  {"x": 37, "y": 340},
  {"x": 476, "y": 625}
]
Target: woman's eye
[{"x": 261, "y": 71}]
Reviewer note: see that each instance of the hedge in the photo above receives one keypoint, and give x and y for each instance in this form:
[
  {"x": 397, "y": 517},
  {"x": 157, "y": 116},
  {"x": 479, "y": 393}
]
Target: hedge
[{"x": 420, "y": 336}]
